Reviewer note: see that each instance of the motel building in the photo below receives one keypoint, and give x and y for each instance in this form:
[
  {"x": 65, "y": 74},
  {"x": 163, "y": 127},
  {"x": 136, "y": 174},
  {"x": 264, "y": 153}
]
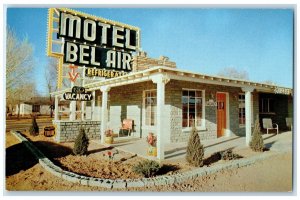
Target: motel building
[{"x": 116, "y": 81}]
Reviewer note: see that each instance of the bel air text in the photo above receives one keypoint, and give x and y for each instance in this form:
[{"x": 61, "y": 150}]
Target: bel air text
[{"x": 96, "y": 43}]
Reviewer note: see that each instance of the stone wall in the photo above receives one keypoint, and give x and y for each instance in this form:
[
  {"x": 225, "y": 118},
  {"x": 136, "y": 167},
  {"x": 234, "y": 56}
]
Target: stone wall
[
  {"x": 142, "y": 62},
  {"x": 126, "y": 102},
  {"x": 67, "y": 131},
  {"x": 173, "y": 96}
]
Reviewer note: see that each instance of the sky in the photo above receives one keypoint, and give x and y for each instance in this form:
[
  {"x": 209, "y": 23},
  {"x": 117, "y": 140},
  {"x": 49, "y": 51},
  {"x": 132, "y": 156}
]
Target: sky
[{"x": 202, "y": 40}]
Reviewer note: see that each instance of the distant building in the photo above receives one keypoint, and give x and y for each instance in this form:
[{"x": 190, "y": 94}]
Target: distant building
[{"x": 37, "y": 106}]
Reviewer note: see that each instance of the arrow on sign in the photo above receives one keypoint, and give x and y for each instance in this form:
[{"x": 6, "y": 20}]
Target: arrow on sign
[{"x": 73, "y": 74}]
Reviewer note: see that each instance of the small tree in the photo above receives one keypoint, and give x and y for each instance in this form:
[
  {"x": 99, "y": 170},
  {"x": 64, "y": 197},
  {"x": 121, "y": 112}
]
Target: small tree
[
  {"x": 81, "y": 143},
  {"x": 147, "y": 168},
  {"x": 257, "y": 142},
  {"x": 195, "y": 150},
  {"x": 34, "y": 128},
  {"x": 20, "y": 63}
]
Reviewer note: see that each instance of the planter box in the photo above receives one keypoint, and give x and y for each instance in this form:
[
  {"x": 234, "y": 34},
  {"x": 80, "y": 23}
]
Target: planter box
[{"x": 152, "y": 151}]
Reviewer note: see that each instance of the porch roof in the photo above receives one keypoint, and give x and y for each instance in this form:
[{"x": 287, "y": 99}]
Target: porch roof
[{"x": 183, "y": 75}]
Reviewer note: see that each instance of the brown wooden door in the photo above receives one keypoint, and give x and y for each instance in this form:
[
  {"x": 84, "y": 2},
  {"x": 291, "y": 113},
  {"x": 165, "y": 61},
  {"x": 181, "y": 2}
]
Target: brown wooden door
[{"x": 221, "y": 114}]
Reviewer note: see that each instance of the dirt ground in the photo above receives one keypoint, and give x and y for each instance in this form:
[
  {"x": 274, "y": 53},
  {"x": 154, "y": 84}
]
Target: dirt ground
[
  {"x": 97, "y": 163},
  {"x": 23, "y": 173}
]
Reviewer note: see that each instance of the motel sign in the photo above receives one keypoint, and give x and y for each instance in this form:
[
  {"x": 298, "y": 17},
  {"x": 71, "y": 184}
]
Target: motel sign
[{"x": 96, "y": 44}]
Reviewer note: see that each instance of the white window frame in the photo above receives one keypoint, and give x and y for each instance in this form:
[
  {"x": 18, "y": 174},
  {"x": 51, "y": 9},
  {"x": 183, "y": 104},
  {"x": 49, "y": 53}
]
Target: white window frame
[
  {"x": 144, "y": 111},
  {"x": 203, "y": 126}
]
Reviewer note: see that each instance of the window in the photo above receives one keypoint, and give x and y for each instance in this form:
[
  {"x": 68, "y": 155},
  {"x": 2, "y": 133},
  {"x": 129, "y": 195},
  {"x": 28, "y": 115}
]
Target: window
[
  {"x": 35, "y": 108},
  {"x": 98, "y": 100},
  {"x": 242, "y": 115},
  {"x": 242, "y": 110},
  {"x": 150, "y": 107},
  {"x": 266, "y": 105},
  {"x": 192, "y": 108}
]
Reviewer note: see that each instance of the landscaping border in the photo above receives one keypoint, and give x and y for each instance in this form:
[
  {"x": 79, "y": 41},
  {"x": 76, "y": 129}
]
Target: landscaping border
[{"x": 131, "y": 183}]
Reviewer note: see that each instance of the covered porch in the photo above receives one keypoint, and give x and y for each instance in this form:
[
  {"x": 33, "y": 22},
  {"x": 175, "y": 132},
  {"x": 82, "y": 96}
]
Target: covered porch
[{"x": 109, "y": 112}]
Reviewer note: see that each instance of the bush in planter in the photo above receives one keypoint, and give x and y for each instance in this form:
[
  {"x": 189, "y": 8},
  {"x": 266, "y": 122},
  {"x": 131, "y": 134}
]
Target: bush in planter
[
  {"x": 81, "y": 143},
  {"x": 195, "y": 150},
  {"x": 147, "y": 168},
  {"x": 229, "y": 155},
  {"x": 34, "y": 128},
  {"x": 257, "y": 142}
]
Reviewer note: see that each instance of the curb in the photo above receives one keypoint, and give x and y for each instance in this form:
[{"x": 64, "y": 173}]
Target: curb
[{"x": 132, "y": 183}]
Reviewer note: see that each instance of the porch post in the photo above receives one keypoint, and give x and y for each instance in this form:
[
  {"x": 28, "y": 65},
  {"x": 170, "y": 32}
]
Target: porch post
[
  {"x": 93, "y": 105},
  {"x": 72, "y": 110},
  {"x": 248, "y": 113},
  {"x": 104, "y": 113},
  {"x": 83, "y": 102},
  {"x": 82, "y": 110},
  {"x": 160, "y": 81},
  {"x": 56, "y": 108},
  {"x": 72, "y": 115}
]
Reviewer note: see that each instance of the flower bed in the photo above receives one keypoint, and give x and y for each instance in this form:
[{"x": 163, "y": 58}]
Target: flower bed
[{"x": 101, "y": 161}]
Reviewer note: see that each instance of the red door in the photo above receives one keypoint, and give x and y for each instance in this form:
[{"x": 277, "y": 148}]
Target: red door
[{"x": 221, "y": 114}]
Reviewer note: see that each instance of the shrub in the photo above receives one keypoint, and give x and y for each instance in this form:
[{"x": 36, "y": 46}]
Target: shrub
[
  {"x": 195, "y": 150},
  {"x": 147, "y": 168},
  {"x": 257, "y": 142},
  {"x": 34, "y": 128},
  {"x": 81, "y": 143},
  {"x": 229, "y": 155}
]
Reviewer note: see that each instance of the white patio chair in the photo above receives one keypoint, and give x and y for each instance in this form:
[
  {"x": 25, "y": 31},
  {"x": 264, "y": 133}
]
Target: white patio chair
[{"x": 267, "y": 124}]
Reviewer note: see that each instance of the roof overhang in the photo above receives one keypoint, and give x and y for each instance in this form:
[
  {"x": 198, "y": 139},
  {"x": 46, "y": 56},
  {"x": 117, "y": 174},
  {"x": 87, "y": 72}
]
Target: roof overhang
[{"x": 181, "y": 75}]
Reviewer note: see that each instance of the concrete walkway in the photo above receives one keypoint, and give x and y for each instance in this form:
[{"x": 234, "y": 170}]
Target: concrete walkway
[{"x": 280, "y": 142}]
